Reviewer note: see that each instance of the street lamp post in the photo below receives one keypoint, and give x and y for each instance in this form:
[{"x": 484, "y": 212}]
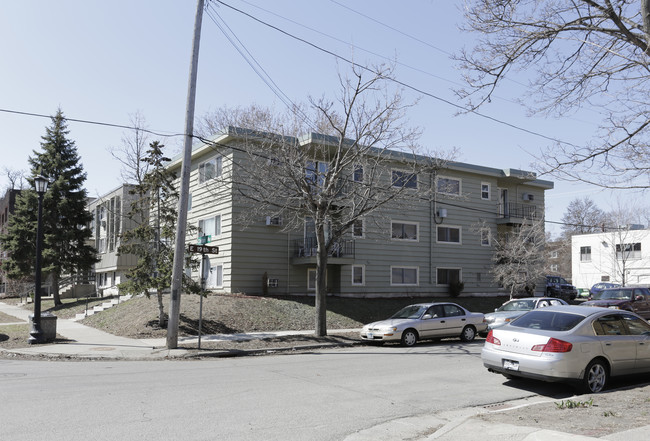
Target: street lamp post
[{"x": 36, "y": 332}]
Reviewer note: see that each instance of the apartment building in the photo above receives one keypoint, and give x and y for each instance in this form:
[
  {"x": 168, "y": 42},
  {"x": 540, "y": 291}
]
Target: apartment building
[{"x": 444, "y": 238}]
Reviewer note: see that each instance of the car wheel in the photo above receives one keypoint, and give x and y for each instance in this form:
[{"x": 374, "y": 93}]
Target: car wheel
[
  {"x": 409, "y": 337},
  {"x": 596, "y": 376},
  {"x": 468, "y": 334}
]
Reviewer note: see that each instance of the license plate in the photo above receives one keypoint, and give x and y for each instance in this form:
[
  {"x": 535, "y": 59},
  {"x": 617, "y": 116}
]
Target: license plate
[
  {"x": 369, "y": 335},
  {"x": 511, "y": 365}
]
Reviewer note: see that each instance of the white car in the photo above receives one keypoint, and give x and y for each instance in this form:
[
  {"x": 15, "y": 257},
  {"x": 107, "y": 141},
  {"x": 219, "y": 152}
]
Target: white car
[
  {"x": 512, "y": 309},
  {"x": 426, "y": 321},
  {"x": 586, "y": 346}
]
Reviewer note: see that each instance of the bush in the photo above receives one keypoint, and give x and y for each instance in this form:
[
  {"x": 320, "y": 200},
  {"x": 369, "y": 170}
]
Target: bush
[{"x": 456, "y": 288}]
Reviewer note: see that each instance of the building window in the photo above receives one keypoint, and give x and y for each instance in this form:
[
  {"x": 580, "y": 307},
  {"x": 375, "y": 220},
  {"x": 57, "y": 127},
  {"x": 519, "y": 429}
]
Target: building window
[
  {"x": 210, "y": 226},
  {"x": 216, "y": 274},
  {"x": 485, "y": 237},
  {"x": 210, "y": 169},
  {"x": 189, "y": 202},
  {"x": 553, "y": 254},
  {"x": 311, "y": 279},
  {"x": 403, "y": 275},
  {"x": 315, "y": 173},
  {"x": 358, "y": 275},
  {"x": 357, "y": 176},
  {"x": 404, "y": 231},
  {"x": 447, "y": 276},
  {"x": 628, "y": 251},
  {"x": 358, "y": 230},
  {"x": 585, "y": 254},
  {"x": 449, "y": 234},
  {"x": 604, "y": 278},
  {"x": 485, "y": 191},
  {"x": 448, "y": 186},
  {"x": 404, "y": 179},
  {"x": 554, "y": 268}
]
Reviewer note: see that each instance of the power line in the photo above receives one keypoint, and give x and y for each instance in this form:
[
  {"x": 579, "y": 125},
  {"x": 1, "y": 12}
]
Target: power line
[
  {"x": 97, "y": 123},
  {"x": 401, "y": 83}
]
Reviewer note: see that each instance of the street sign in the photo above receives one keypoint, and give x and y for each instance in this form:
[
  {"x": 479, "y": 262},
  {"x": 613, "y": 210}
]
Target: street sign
[
  {"x": 204, "y": 239},
  {"x": 203, "y": 249}
]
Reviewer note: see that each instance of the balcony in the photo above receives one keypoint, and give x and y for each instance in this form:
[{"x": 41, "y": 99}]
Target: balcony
[
  {"x": 342, "y": 252},
  {"x": 515, "y": 213}
]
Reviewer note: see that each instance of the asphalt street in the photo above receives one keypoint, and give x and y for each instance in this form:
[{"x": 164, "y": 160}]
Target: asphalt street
[{"x": 322, "y": 395}]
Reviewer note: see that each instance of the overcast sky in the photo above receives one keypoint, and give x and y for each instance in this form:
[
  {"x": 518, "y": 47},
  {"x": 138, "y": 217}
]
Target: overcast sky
[{"x": 103, "y": 61}]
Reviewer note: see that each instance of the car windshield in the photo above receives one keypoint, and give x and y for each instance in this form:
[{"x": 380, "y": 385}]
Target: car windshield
[
  {"x": 517, "y": 305},
  {"x": 616, "y": 294},
  {"x": 412, "y": 312},
  {"x": 548, "y": 320}
]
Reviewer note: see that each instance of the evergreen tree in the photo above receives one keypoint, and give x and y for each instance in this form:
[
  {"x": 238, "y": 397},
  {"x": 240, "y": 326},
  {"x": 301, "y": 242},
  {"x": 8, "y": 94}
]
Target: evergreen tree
[
  {"x": 154, "y": 211},
  {"x": 65, "y": 219}
]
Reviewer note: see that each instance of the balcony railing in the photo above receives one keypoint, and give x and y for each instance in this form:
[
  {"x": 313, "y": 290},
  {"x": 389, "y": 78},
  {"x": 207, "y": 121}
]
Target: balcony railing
[
  {"x": 517, "y": 210},
  {"x": 307, "y": 248}
]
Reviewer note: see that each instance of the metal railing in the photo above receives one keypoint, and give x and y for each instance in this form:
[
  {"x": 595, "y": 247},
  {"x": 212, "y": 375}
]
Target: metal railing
[
  {"x": 517, "y": 210},
  {"x": 308, "y": 247}
]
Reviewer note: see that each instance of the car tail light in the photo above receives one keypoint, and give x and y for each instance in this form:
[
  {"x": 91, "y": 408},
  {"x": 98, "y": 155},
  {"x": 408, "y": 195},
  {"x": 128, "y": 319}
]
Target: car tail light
[
  {"x": 492, "y": 339},
  {"x": 553, "y": 345}
]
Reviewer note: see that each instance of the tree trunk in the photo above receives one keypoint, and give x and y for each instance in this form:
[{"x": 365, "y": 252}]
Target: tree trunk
[
  {"x": 55, "y": 289},
  {"x": 321, "y": 282},
  {"x": 162, "y": 318}
]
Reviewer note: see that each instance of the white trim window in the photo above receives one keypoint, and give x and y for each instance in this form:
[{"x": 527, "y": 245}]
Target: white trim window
[
  {"x": 404, "y": 179},
  {"x": 447, "y": 276},
  {"x": 210, "y": 226},
  {"x": 628, "y": 251},
  {"x": 316, "y": 172},
  {"x": 357, "y": 174},
  {"x": 448, "y": 186},
  {"x": 404, "y": 275},
  {"x": 485, "y": 191},
  {"x": 449, "y": 234},
  {"x": 311, "y": 279},
  {"x": 359, "y": 229},
  {"x": 407, "y": 231},
  {"x": 585, "y": 254},
  {"x": 210, "y": 169},
  {"x": 486, "y": 237},
  {"x": 358, "y": 275}
]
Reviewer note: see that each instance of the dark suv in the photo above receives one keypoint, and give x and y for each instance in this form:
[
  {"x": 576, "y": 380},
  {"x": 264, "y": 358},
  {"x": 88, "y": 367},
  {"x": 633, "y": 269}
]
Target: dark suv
[
  {"x": 558, "y": 287},
  {"x": 630, "y": 299}
]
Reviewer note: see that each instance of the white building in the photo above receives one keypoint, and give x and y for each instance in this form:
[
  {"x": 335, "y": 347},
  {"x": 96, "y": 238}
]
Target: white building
[{"x": 621, "y": 256}]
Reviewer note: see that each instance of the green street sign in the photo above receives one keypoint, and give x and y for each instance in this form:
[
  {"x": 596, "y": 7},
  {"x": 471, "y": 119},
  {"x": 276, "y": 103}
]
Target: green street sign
[{"x": 204, "y": 239}]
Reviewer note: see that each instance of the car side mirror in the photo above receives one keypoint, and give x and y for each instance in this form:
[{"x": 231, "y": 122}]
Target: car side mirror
[
  {"x": 427, "y": 317},
  {"x": 638, "y": 298},
  {"x": 496, "y": 309}
]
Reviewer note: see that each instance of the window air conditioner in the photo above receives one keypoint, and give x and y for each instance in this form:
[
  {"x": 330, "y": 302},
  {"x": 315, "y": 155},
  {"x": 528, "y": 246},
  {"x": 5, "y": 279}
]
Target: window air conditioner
[{"x": 273, "y": 220}]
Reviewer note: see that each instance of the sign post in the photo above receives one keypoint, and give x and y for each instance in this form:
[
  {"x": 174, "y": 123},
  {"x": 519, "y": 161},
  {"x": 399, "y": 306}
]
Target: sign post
[{"x": 203, "y": 249}]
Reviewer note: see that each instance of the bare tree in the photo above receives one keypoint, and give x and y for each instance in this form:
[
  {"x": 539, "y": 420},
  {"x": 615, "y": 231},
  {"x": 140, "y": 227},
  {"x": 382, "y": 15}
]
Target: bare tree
[
  {"x": 581, "y": 53},
  {"x": 582, "y": 216},
  {"x": 15, "y": 178},
  {"x": 329, "y": 181},
  {"x": 519, "y": 257},
  {"x": 133, "y": 150}
]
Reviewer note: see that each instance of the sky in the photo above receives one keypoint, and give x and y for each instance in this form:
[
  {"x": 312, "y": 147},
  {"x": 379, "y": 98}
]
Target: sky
[{"x": 105, "y": 61}]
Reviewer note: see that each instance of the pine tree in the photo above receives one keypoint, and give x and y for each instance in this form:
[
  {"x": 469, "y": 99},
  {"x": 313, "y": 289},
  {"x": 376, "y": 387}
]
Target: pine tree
[
  {"x": 65, "y": 219},
  {"x": 154, "y": 209}
]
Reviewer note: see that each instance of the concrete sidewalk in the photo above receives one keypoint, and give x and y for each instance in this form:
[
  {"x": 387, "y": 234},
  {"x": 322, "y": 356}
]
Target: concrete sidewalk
[{"x": 89, "y": 343}]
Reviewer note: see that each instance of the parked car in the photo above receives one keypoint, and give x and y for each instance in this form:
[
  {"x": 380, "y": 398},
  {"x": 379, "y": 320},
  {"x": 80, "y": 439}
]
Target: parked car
[
  {"x": 558, "y": 287},
  {"x": 586, "y": 346},
  {"x": 630, "y": 299},
  {"x": 425, "y": 321},
  {"x": 598, "y": 287},
  {"x": 512, "y": 309}
]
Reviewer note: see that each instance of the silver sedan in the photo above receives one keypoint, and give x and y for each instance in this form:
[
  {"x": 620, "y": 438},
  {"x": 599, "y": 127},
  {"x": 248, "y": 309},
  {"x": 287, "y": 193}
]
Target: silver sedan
[
  {"x": 512, "y": 309},
  {"x": 570, "y": 343},
  {"x": 426, "y": 321}
]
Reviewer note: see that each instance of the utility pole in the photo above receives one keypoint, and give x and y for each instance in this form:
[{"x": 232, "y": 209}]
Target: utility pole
[{"x": 181, "y": 226}]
